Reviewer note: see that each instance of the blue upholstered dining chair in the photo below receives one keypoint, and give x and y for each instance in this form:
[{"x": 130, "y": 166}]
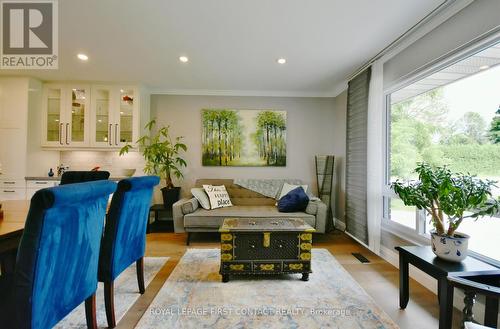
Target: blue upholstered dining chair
[
  {"x": 57, "y": 261},
  {"x": 124, "y": 239}
]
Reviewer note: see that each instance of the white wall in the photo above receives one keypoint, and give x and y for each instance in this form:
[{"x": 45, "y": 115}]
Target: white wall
[
  {"x": 314, "y": 126},
  {"x": 474, "y": 20}
]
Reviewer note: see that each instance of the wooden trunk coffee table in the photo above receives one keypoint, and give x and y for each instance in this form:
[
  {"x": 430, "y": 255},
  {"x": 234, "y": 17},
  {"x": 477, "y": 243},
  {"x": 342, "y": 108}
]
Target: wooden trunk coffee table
[{"x": 265, "y": 246}]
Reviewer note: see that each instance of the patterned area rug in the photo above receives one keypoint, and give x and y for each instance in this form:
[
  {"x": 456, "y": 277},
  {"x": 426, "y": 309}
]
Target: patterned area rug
[
  {"x": 126, "y": 293},
  {"x": 194, "y": 297}
]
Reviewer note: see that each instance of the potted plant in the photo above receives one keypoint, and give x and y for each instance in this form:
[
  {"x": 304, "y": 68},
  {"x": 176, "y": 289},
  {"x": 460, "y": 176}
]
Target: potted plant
[
  {"x": 162, "y": 159},
  {"x": 449, "y": 198}
]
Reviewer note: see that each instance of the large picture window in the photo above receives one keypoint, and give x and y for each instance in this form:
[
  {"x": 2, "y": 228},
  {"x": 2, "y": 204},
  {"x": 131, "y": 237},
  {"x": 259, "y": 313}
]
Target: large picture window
[{"x": 452, "y": 118}]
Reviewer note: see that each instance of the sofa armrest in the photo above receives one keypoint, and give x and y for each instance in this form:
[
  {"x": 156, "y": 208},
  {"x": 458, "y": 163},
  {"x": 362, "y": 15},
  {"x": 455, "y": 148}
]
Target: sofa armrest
[
  {"x": 312, "y": 207},
  {"x": 179, "y": 209},
  {"x": 318, "y": 209}
]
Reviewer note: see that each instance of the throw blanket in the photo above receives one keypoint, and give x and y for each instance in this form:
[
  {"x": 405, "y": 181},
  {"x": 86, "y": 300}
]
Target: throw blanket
[{"x": 270, "y": 187}]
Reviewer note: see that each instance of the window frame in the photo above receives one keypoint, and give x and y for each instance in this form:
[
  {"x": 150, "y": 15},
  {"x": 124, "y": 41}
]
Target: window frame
[{"x": 418, "y": 235}]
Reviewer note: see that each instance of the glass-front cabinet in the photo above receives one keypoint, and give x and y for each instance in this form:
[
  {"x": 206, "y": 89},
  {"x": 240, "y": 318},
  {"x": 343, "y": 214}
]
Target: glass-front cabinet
[
  {"x": 114, "y": 116},
  {"x": 79, "y": 115},
  {"x": 53, "y": 106},
  {"x": 90, "y": 117},
  {"x": 65, "y": 121},
  {"x": 102, "y": 127},
  {"x": 126, "y": 123}
]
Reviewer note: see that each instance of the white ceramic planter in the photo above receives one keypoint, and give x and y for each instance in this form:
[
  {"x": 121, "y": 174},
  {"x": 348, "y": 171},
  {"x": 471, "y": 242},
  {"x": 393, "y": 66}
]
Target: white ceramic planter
[{"x": 453, "y": 249}]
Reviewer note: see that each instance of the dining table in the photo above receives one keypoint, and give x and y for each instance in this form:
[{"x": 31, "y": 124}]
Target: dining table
[{"x": 11, "y": 230}]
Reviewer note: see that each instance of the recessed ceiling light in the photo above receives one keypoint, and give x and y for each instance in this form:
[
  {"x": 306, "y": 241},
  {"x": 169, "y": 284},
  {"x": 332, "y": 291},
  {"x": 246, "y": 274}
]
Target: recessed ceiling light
[
  {"x": 82, "y": 57},
  {"x": 281, "y": 60},
  {"x": 121, "y": 90},
  {"x": 484, "y": 67},
  {"x": 184, "y": 59}
]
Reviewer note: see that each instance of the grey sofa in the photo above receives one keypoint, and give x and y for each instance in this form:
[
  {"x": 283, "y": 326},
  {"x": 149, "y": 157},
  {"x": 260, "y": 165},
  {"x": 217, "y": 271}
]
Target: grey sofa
[{"x": 189, "y": 216}]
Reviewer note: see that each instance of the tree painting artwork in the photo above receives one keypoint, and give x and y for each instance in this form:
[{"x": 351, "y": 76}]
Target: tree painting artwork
[{"x": 251, "y": 138}]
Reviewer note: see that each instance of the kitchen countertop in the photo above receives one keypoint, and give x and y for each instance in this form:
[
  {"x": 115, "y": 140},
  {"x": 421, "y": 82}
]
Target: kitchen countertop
[
  {"x": 58, "y": 178},
  {"x": 54, "y": 178}
]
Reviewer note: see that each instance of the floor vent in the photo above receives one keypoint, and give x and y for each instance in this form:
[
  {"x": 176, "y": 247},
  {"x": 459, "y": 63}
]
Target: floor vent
[{"x": 360, "y": 257}]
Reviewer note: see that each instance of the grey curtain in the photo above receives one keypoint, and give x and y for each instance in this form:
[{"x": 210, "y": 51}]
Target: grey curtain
[{"x": 356, "y": 155}]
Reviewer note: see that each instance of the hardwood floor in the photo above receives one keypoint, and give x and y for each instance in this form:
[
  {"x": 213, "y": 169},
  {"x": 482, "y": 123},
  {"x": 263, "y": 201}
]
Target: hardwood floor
[{"x": 378, "y": 278}]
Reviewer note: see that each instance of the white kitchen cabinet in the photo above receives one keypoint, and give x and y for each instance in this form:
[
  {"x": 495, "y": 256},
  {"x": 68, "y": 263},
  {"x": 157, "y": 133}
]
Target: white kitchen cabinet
[
  {"x": 32, "y": 186},
  {"x": 115, "y": 118},
  {"x": 11, "y": 193},
  {"x": 14, "y": 102},
  {"x": 66, "y": 116},
  {"x": 95, "y": 117},
  {"x": 12, "y": 153},
  {"x": 12, "y": 189}
]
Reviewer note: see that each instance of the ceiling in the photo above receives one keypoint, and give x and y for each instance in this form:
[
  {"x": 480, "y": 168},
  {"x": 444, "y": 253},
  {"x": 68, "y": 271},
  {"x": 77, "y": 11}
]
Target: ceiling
[
  {"x": 232, "y": 45},
  {"x": 482, "y": 60}
]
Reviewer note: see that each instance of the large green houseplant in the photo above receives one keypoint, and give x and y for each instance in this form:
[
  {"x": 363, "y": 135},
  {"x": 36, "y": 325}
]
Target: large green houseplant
[
  {"x": 449, "y": 198},
  {"x": 162, "y": 155}
]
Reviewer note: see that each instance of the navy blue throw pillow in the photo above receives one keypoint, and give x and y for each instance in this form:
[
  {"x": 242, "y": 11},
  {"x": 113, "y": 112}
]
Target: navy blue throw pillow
[{"x": 295, "y": 200}]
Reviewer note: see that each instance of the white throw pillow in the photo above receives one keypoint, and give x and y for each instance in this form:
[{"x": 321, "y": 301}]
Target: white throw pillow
[
  {"x": 289, "y": 187},
  {"x": 218, "y": 196},
  {"x": 201, "y": 196}
]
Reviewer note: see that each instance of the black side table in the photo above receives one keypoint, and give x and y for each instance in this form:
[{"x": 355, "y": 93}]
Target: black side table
[
  {"x": 157, "y": 209},
  {"x": 424, "y": 259}
]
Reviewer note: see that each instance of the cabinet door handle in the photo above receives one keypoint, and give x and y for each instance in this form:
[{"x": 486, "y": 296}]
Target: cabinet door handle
[
  {"x": 60, "y": 133},
  {"x": 67, "y": 126},
  {"x": 41, "y": 183},
  {"x": 9, "y": 191},
  {"x": 9, "y": 182},
  {"x": 116, "y": 134},
  {"x": 109, "y": 135}
]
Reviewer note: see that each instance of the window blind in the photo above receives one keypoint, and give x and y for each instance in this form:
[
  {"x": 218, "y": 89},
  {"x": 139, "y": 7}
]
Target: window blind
[{"x": 356, "y": 155}]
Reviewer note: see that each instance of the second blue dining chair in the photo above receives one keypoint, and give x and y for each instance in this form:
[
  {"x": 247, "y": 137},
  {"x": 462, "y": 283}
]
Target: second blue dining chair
[
  {"x": 124, "y": 237},
  {"x": 57, "y": 261},
  {"x": 72, "y": 177}
]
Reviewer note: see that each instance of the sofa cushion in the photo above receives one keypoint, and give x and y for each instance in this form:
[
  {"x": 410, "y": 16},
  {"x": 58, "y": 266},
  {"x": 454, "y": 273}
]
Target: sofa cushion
[
  {"x": 295, "y": 200},
  {"x": 287, "y": 188},
  {"x": 189, "y": 206},
  {"x": 219, "y": 198},
  {"x": 214, "y": 218},
  {"x": 201, "y": 196}
]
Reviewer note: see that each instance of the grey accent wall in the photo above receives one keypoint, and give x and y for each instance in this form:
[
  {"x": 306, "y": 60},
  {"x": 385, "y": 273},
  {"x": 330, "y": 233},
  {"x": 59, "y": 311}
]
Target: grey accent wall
[
  {"x": 474, "y": 20},
  {"x": 314, "y": 126}
]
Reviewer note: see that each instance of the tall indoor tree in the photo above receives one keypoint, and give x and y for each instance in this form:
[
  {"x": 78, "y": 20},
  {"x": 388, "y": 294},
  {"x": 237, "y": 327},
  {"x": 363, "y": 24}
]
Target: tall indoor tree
[{"x": 161, "y": 152}]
